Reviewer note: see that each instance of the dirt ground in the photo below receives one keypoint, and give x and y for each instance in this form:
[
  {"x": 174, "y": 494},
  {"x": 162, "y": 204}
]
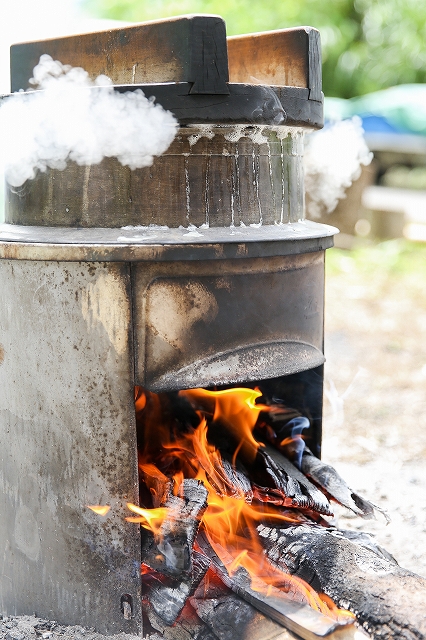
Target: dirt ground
[{"x": 375, "y": 397}]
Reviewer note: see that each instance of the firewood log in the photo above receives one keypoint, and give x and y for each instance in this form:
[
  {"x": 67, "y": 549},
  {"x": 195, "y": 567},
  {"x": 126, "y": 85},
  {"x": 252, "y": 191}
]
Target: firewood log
[
  {"x": 293, "y": 614},
  {"x": 277, "y": 480},
  {"x": 234, "y": 482},
  {"x": 327, "y": 478},
  {"x": 388, "y": 601},
  {"x": 168, "y": 598},
  {"x": 170, "y": 551}
]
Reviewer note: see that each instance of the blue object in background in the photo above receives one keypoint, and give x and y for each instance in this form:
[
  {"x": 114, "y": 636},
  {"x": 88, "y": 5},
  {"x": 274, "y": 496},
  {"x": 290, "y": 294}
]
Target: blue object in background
[{"x": 400, "y": 109}]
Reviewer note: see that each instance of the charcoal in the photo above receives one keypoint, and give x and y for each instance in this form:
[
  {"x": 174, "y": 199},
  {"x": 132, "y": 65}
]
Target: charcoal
[
  {"x": 388, "y": 601},
  {"x": 158, "y": 485},
  {"x": 190, "y": 627},
  {"x": 231, "y": 618},
  {"x": 327, "y": 478},
  {"x": 235, "y": 482},
  {"x": 289, "y": 486},
  {"x": 170, "y": 552},
  {"x": 168, "y": 600}
]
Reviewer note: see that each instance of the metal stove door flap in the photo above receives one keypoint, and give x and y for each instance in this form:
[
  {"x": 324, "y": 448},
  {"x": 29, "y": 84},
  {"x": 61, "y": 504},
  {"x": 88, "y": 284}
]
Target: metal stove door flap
[
  {"x": 253, "y": 362},
  {"x": 244, "y": 322}
]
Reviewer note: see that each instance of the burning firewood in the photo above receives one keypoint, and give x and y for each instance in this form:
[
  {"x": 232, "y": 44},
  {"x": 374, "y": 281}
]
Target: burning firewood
[
  {"x": 333, "y": 485},
  {"x": 289, "y": 486},
  {"x": 168, "y": 598},
  {"x": 387, "y": 600},
  {"x": 158, "y": 485},
  {"x": 169, "y": 550},
  {"x": 283, "y": 428},
  {"x": 231, "y": 618},
  {"x": 288, "y": 610},
  {"x": 243, "y": 488},
  {"x": 234, "y": 482}
]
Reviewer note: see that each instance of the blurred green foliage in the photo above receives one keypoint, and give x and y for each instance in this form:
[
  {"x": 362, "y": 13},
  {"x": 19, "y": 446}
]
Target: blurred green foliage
[
  {"x": 403, "y": 177},
  {"x": 367, "y": 44},
  {"x": 382, "y": 262}
]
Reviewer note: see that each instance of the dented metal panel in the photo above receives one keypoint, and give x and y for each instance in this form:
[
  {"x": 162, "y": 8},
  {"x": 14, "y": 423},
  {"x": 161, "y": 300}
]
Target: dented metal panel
[{"x": 67, "y": 440}]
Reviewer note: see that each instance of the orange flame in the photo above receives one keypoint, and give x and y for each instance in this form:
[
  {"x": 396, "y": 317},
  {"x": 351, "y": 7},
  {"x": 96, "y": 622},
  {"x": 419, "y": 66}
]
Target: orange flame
[
  {"x": 140, "y": 399},
  {"x": 101, "y": 511},
  {"x": 150, "y": 519},
  {"x": 230, "y": 525},
  {"x": 229, "y": 521},
  {"x": 236, "y": 409}
]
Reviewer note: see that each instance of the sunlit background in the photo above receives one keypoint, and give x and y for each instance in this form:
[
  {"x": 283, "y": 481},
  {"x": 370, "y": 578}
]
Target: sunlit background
[
  {"x": 366, "y": 45},
  {"x": 376, "y": 285}
]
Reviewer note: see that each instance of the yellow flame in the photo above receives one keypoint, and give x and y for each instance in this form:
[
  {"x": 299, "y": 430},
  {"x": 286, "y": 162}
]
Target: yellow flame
[
  {"x": 151, "y": 519},
  {"x": 229, "y": 522},
  {"x": 101, "y": 511}
]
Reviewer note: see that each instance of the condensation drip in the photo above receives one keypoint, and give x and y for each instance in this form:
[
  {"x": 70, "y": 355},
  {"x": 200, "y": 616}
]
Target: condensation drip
[{"x": 187, "y": 188}]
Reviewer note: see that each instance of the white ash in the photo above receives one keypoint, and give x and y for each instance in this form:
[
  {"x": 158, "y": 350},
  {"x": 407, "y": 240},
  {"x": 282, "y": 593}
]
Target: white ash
[
  {"x": 75, "y": 118},
  {"x": 332, "y": 161},
  {"x": 33, "y": 628}
]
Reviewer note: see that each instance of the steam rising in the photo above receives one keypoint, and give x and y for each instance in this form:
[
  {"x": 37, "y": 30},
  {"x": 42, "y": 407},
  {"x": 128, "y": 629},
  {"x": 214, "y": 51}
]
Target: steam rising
[
  {"x": 333, "y": 159},
  {"x": 74, "y": 118}
]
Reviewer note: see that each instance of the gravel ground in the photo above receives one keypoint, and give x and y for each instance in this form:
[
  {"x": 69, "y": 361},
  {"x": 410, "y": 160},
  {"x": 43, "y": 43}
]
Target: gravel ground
[{"x": 375, "y": 401}]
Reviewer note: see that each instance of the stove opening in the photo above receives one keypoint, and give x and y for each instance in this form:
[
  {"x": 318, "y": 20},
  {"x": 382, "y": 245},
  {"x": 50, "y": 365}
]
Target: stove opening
[{"x": 218, "y": 468}]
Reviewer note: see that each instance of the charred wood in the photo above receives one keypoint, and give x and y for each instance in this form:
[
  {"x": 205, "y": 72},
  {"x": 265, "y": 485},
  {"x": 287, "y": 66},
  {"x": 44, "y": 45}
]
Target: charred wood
[
  {"x": 295, "y": 615},
  {"x": 327, "y": 478},
  {"x": 280, "y": 482},
  {"x": 167, "y": 600},
  {"x": 231, "y": 618},
  {"x": 170, "y": 551},
  {"x": 233, "y": 483},
  {"x": 157, "y": 484},
  {"x": 190, "y": 627},
  {"x": 387, "y": 600}
]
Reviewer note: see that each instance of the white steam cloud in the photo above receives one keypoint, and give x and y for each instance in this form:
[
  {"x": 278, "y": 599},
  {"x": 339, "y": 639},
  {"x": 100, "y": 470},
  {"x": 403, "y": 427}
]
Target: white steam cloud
[
  {"x": 333, "y": 159},
  {"x": 74, "y": 118}
]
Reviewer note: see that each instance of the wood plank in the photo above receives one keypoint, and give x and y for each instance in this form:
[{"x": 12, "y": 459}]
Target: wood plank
[
  {"x": 288, "y": 57},
  {"x": 183, "y": 49}
]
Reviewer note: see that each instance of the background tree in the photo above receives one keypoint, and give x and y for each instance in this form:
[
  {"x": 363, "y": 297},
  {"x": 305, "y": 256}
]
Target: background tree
[{"x": 367, "y": 44}]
